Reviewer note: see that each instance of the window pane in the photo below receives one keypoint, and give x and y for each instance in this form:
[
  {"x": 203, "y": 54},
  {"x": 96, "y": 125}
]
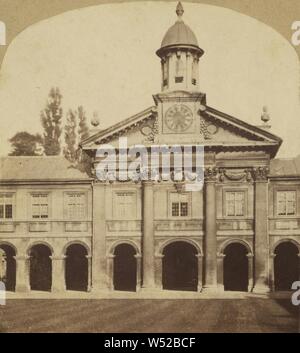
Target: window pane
[
  {"x": 281, "y": 209},
  {"x": 76, "y": 206},
  {"x": 175, "y": 209},
  {"x": 8, "y": 211},
  {"x": 239, "y": 204},
  {"x": 183, "y": 209},
  {"x": 290, "y": 196},
  {"x": 1, "y": 211},
  {"x": 291, "y": 208},
  {"x": 286, "y": 203},
  {"x": 125, "y": 205}
]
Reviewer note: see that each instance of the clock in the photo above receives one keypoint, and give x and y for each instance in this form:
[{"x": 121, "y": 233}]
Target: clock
[{"x": 179, "y": 118}]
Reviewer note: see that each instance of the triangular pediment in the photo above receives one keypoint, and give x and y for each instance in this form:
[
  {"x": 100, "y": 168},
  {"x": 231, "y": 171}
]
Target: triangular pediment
[
  {"x": 216, "y": 129},
  {"x": 139, "y": 129}
]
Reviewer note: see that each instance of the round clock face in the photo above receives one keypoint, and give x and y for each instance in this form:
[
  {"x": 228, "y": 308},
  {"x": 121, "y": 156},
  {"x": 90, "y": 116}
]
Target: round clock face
[{"x": 179, "y": 118}]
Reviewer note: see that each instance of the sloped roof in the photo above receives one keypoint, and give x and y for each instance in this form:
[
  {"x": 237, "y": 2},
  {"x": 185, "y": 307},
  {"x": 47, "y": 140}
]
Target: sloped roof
[
  {"x": 285, "y": 166},
  {"x": 38, "y": 168},
  {"x": 120, "y": 126},
  {"x": 259, "y": 136}
]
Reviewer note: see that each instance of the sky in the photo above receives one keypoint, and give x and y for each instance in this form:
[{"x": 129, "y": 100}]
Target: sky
[{"x": 103, "y": 58}]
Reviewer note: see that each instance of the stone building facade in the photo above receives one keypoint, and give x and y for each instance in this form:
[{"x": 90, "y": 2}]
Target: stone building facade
[{"x": 62, "y": 230}]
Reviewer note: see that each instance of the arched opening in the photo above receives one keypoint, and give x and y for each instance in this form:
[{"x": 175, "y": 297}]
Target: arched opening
[
  {"x": 236, "y": 267},
  {"x": 8, "y": 266},
  {"x": 40, "y": 268},
  {"x": 76, "y": 268},
  {"x": 125, "y": 268},
  {"x": 180, "y": 267},
  {"x": 286, "y": 266}
]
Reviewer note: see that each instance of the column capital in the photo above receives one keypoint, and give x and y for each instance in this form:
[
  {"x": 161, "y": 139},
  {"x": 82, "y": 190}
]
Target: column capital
[
  {"x": 58, "y": 258},
  {"x": 260, "y": 174},
  {"x": 221, "y": 256},
  {"x": 148, "y": 183},
  {"x": 199, "y": 256},
  {"x": 210, "y": 174},
  {"x": 21, "y": 257},
  {"x": 249, "y": 255},
  {"x": 138, "y": 256}
]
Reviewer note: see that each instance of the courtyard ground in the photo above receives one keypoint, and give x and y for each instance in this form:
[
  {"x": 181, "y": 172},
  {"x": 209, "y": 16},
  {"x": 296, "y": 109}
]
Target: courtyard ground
[{"x": 144, "y": 315}]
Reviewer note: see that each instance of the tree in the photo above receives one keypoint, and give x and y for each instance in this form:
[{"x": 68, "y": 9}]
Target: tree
[
  {"x": 51, "y": 118},
  {"x": 80, "y": 159},
  {"x": 70, "y": 149},
  {"x": 25, "y": 144},
  {"x": 83, "y": 129},
  {"x": 84, "y": 160}
]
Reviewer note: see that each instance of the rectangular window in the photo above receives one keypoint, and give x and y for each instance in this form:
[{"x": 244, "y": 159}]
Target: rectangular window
[
  {"x": 125, "y": 205},
  {"x": 6, "y": 206},
  {"x": 179, "y": 205},
  {"x": 286, "y": 203},
  {"x": 76, "y": 205},
  {"x": 235, "y": 203},
  {"x": 39, "y": 206}
]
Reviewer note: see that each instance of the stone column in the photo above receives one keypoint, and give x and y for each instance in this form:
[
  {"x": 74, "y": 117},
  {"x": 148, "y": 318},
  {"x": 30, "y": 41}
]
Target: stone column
[
  {"x": 210, "y": 239},
  {"x": 58, "y": 273},
  {"x": 261, "y": 242},
  {"x": 22, "y": 273},
  {"x": 110, "y": 271},
  {"x": 89, "y": 260},
  {"x": 99, "y": 275},
  {"x": 271, "y": 272},
  {"x": 138, "y": 271},
  {"x": 200, "y": 271},
  {"x": 250, "y": 272},
  {"x": 158, "y": 270},
  {"x": 220, "y": 266},
  {"x": 148, "y": 235},
  {"x": 189, "y": 60}
]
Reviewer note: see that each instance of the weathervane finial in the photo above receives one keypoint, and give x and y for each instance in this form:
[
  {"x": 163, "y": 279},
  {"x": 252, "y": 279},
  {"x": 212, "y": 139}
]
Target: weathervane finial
[{"x": 179, "y": 10}]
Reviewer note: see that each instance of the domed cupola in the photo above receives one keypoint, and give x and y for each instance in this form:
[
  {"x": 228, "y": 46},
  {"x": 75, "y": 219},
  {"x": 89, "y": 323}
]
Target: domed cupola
[{"x": 179, "y": 53}]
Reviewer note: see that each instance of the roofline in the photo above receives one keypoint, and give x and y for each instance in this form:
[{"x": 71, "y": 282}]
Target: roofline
[
  {"x": 246, "y": 125},
  {"x": 118, "y": 125},
  {"x": 173, "y": 47},
  {"x": 284, "y": 176},
  {"x": 45, "y": 181}
]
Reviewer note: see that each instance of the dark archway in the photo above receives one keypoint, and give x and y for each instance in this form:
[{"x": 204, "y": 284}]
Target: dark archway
[
  {"x": 7, "y": 254},
  {"x": 76, "y": 268},
  {"x": 236, "y": 275},
  {"x": 125, "y": 268},
  {"x": 40, "y": 268},
  {"x": 286, "y": 266},
  {"x": 180, "y": 267}
]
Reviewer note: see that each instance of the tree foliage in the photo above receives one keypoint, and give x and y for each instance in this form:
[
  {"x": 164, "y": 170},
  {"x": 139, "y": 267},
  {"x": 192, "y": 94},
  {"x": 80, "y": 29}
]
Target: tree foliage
[
  {"x": 25, "y": 144},
  {"x": 51, "y": 118},
  {"x": 70, "y": 149}
]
